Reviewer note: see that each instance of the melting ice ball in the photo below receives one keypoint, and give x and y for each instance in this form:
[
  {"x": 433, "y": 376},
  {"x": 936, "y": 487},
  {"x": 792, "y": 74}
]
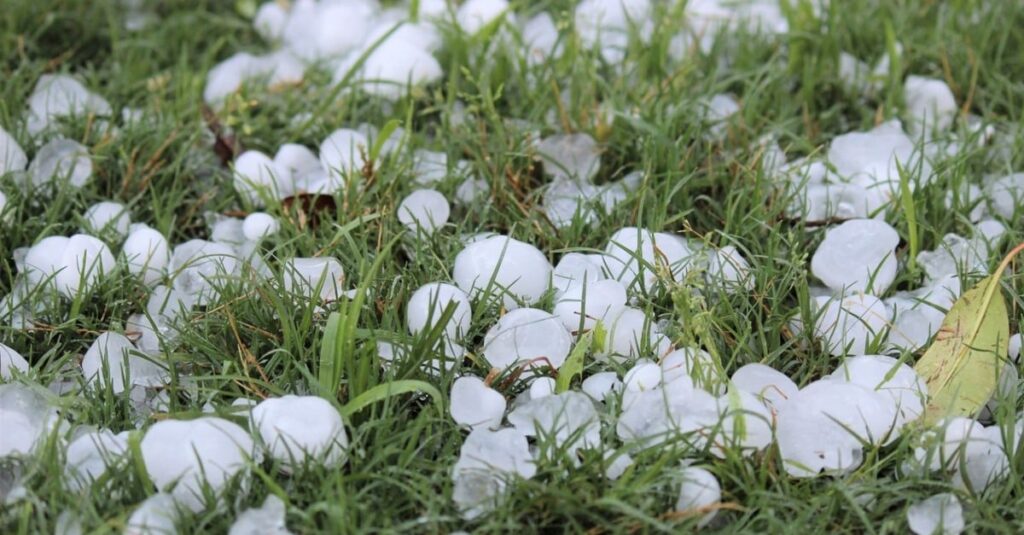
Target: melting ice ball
[
  {"x": 428, "y": 303},
  {"x": 424, "y": 209},
  {"x": 500, "y": 265},
  {"x": 525, "y": 335},
  {"x": 298, "y": 429},
  {"x": 857, "y": 256}
]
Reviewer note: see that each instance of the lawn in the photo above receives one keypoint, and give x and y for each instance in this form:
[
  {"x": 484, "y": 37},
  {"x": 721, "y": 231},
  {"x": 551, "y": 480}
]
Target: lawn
[{"x": 580, "y": 143}]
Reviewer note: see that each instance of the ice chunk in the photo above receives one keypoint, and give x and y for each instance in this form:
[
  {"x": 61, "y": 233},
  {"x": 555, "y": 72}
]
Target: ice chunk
[
  {"x": 344, "y": 153},
  {"x": 259, "y": 225},
  {"x": 575, "y": 269},
  {"x": 88, "y": 456},
  {"x": 768, "y": 384},
  {"x": 570, "y": 156},
  {"x": 540, "y": 37},
  {"x": 59, "y": 95},
  {"x": 11, "y": 360},
  {"x": 931, "y": 106},
  {"x": 954, "y": 255},
  {"x": 638, "y": 257},
  {"x": 527, "y": 335},
  {"x": 390, "y": 69},
  {"x": 200, "y": 268},
  {"x": 849, "y": 326},
  {"x": 428, "y": 303},
  {"x": 696, "y": 365},
  {"x": 301, "y": 429},
  {"x": 717, "y": 111},
  {"x": 294, "y": 161},
  {"x": 424, "y": 209},
  {"x": 62, "y": 161},
  {"x": 486, "y": 461},
  {"x": 104, "y": 364},
  {"x": 304, "y": 276},
  {"x": 473, "y": 15},
  {"x": 541, "y": 387},
  {"x": 645, "y": 375},
  {"x": 858, "y": 256},
  {"x": 28, "y": 419},
  {"x": 472, "y": 189},
  {"x": 269, "y": 519},
  {"x": 85, "y": 262},
  {"x": 256, "y": 175},
  {"x": 630, "y": 333},
  {"x": 890, "y": 376},
  {"x": 500, "y": 265},
  {"x": 600, "y": 385},
  {"x": 184, "y": 456},
  {"x": 746, "y": 423},
  {"x": 1006, "y": 194},
  {"x": 106, "y": 217},
  {"x": 12, "y": 157},
  {"x": 270, "y": 21},
  {"x": 585, "y": 305},
  {"x": 568, "y": 418},
  {"x": 474, "y": 404},
  {"x": 700, "y": 489},
  {"x": 941, "y": 514},
  {"x": 606, "y": 24},
  {"x": 147, "y": 253}
]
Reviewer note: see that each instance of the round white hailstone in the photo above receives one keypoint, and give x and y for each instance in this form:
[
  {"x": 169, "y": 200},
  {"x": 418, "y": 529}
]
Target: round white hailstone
[
  {"x": 11, "y": 360},
  {"x": 199, "y": 268},
  {"x": 540, "y": 36},
  {"x": 394, "y": 66},
  {"x": 305, "y": 275},
  {"x": 473, "y": 15},
  {"x": 104, "y": 363},
  {"x": 569, "y": 418},
  {"x": 27, "y": 419},
  {"x": 890, "y": 376},
  {"x": 107, "y": 215},
  {"x": 606, "y": 24},
  {"x": 717, "y": 112},
  {"x": 428, "y": 303},
  {"x": 870, "y": 158},
  {"x": 637, "y": 257},
  {"x": 4, "y": 215},
  {"x": 769, "y": 384},
  {"x": 295, "y": 161},
  {"x": 1006, "y": 194},
  {"x": 227, "y": 230},
  {"x": 12, "y": 157},
  {"x": 147, "y": 253},
  {"x": 85, "y": 262},
  {"x": 588, "y": 304},
  {"x": 727, "y": 269},
  {"x": 228, "y": 76},
  {"x": 296, "y": 429},
  {"x": 61, "y": 159},
  {"x": 969, "y": 196},
  {"x": 157, "y": 514},
  {"x": 45, "y": 258},
  {"x": 745, "y": 423},
  {"x": 601, "y": 385},
  {"x": 627, "y": 335},
  {"x": 474, "y": 404},
  {"x": 644, "y": 376},
  {"x": 575, "y": 269},
  {"x": 341, "y": 27},
  {"x": 472, "y": 189},
  {"x": 88, "y": 456},
  {"x": 854, "y": 253},
  {"x": 424, "y": 209},
  {"x": 270, "y": 20},
  {"x": 259, "y": 225},
  {"x": 486, "y": 461},
  {"x": 943, "y": 446},
  {"x": 930, "y": 104},
  {"x": 429, "y": 167},
  {"x": 694, "y": 366},
  {"x": 699, "y": 489},
  {"x": 268, "y": 519},
  {"x": 849, "y": 326},
  {"x": 59, "y": 95},
  {"x": 570, "y": 156},
  {"x": 542, "y": 386},
  {"x": 617, "y": 466},
  {"x": 187, "y": 454},
  {"x": 343, "y": 153},
  {"x": 524, "y": 335},
  {"x": 255, "y": 174},
  {"x": 1016, "y": 341},
  {"x": 940, "y": 514},
  {"x": 520, "y": 272}
]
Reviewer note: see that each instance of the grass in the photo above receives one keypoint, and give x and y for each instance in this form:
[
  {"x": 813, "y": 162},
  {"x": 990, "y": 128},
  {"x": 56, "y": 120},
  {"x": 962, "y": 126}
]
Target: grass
[{"x": 259, "y": 341}]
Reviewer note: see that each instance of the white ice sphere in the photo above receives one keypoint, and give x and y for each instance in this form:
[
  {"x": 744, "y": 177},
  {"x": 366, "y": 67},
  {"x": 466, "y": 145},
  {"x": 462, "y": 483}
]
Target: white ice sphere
[
  {"x": 28, "y": 419},
  {"x": 700, "y": 489},
  {"x": 270, "y": 20},
  {"x": 887, "y": 375},
  {"x": 627, "y": 335},
  {"x": 294, "y": 161},
  {"x": 472, "y": 189},
  {"x": 930, "y": 104},
  {"x": 44, "y": 259},
  {"x": 570, "y": 156},
  {"x": 858, "y": 255},
  {"x": 717, "y": 111},
  {"x": 344, "y": 153},
  {"x": 638, "y": 257},
  {"x": 425, "y": 210},
  {"x": 107, "y": 216},
  {"x": 585, "y": 305},
  {"x": 769, "y": 384},
  {"x": 429, "y": 302},
  {"x": 645, "y": 375},
  {"x": 256, "y": 174},
  {"x": 268, "y": 519},
  {"x": 568, "y": 418},
  {"x": 1016, "y": 341},
  {"x": 12, "y": 157},
  {"x": 201, "y": 267},
  {"x": 88, "y": 456},
  {"x": 299, "y": 429},
  {"x": 185, "y": 454},
  {"x": 605, "y": 24},
  {"x": 474, "y": 404},
  {"x": 1006, "y": 194},
  {"x": 872, "y": 159},
  {"x": 600, "y": 385},
  {"x": 575, "y": 269},
  {"x": 228, "y": 76},
  {"x": 61, "y": 160},
  {"x": 392, "y": 67},
  {"x": 696, "y": 365},
  {"x": 157, "y": 515},
  {"x": 542, "y": 386},
  {"x": 11, "y": 360},
  {"x": 849, "y": 326},
  {"x": 968, "y": 196},
  {"x": 940, "y": 514},
  {"x": 259, "y": 225},
  {"x": 304, "y": 275},
  {"x": 503, "y": 266},
  {"x": 85, "y": 262},
  {"x": 746, "y": 423},
  {"x": 104, "y": 363},
  {"x": 727, "y": 269},
  {"x": 524, "y": 336},
  {"x": 486, "y": 461},
  {"x": 227, "y": 230},
  {"x": 59, "y": 95},
  {"x": 473, "y": 15},
  {"x": 955, "y": 254},
  {"x": 540, "y": 37},
  {"x": 147, "y": 253},
  {"x": 429, "y": 167}
]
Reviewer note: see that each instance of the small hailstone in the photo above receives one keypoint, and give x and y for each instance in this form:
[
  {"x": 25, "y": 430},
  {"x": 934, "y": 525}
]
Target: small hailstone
[
  {"x": 1014, "y": 346},
  {"x": 872, "y": 159},
  {"x": 568, "y": 418},
  {"x": 696, "y": 365},
  {"x": 429, "y": 167},
  {"x": 575, "y": 269},
  {"x": 472, "y": 189},
  {"x": 297, "y": 429},
  {"x": 642, "y": 377},
  {"x": 970, "y": 196},
  {"x": 585, "y": 305},
  {"x": 11, "y": 360},
  {"x": 59, "y": 160},
  {"x": 59, "y": 95},
  {"x": 270, "y": 20},
  {"x": 728, "y": 270},
  {"x": 104, "y": 363},
  {"x": 638, "y": 257},
  {"x": 255, "y": 174},
  {"x": 305, "y": 275},
  {"x": 954, "y": 255},
  {"x": 294, "y": 161},
  {"x": 767, "y": 383},
  {"x": 473, "y": 15},
  {"x": 717, "y": 112},
  {"x": 746, "y": 423},
  {"x": 570, "y": 156},
  {"x": 1006, "y": 194},
  {"x": 147, "y": 253},
  {"x": 858, "y": 256},
  {"x": 85, "y": 262},
  {"x": 499, "y": 265},
  {"x": 941, "y": 514},
  {"x": 700, "y": 489},
  {"x": 428, "y": 303},
  {"x": 226, "y": 230},
  {"x": 600, "y": 385},
  {"x": 200, "y": 267},
  {"x": 486, "y": 461},
  {"x": 849, "y": 325},
  {"x": 891, "y": 377},
  {"x": 474, "y": 404},
  {"x": 268, "y": 519},
  {"x": 930, "y": 104},
  {"x": 28, "y": 419},
  {"x": 424, "y": 209},
  {"x": 107, "y": 215},
  {"x": 259, "y": 225},
  {"x": 12, "y": 157},
  {"x": 542, "y": 386},
  {"x": 525, "y": 335},
  {"x": 391, "y": 67},
  {"x": 343, "y": 153},
  {"x": 156, "y": 515},
  {"x": 627, "y": 335},
  {"x": 182, "y": 455},
  {"x": 606, "y": 24},
  {"x": 88, "y": 456},
  {"x": 540, "y": 37},
  {"x": 618, "y": 465},
  {"x": 68, "y": 523}
]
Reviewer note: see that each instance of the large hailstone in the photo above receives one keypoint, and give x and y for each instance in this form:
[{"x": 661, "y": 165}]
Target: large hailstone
[
  {"x": 581, "y": 306},
  {"x": 473, "y": 15},
  {"x": 1006, "y": 194},
  {"x": 576, "y": 269},
  {"x": 107, "y": 216},
  {"x": 61, "y": 160},
  {"x": 59, "y": 95},
  {"x": 527, "y": 335},
  {"x": 940, "y": 514},
  {"x": 201, "y": 267},
  {"x": 428, "y": 303},
  {"x": 930, "y": 104},
  {"x": 486, "y": 462},
  {"x": 570, "y": 156},
  {"x": 12, "y": 157},
  {"x": 746, "y": 423},
  {"x": 638, "y": 257},
  {"x": 900, "y": 382},
  {"x": 344, "y": 153},
  {"x": 499, "y": 265},
  {"x": 700, "y": 489},
  {"x": 849, "y": 326},
  {"x": 568, "y": 418},
  {"x": 299, "y": 429},
  {"x": 76, "y": 264},
  {"x": 104, "y": 364},
  {"x": 158, "y": 514},
  {"x": 147, "y": 253},
  {"x": 305, "y": 275},
  {"x": 857, "y": 256},
  {"x": 474, "y": 404},
  {"x": 872, "y": 160},
  {"x": 27, "y": 419},
  {"x": 269, "y": 519},
  {"x": 88, "y": 456},
  {"x": 11, "y": 360},
  {"x": 768, "y": 384},
  {"x": 425, "y": 210},
  {"x": 256, "y": 174},
  {"x": 630, "y": 332},
  {"x": 186, "y": 455},
  {"x": 391, "y": 68}
]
